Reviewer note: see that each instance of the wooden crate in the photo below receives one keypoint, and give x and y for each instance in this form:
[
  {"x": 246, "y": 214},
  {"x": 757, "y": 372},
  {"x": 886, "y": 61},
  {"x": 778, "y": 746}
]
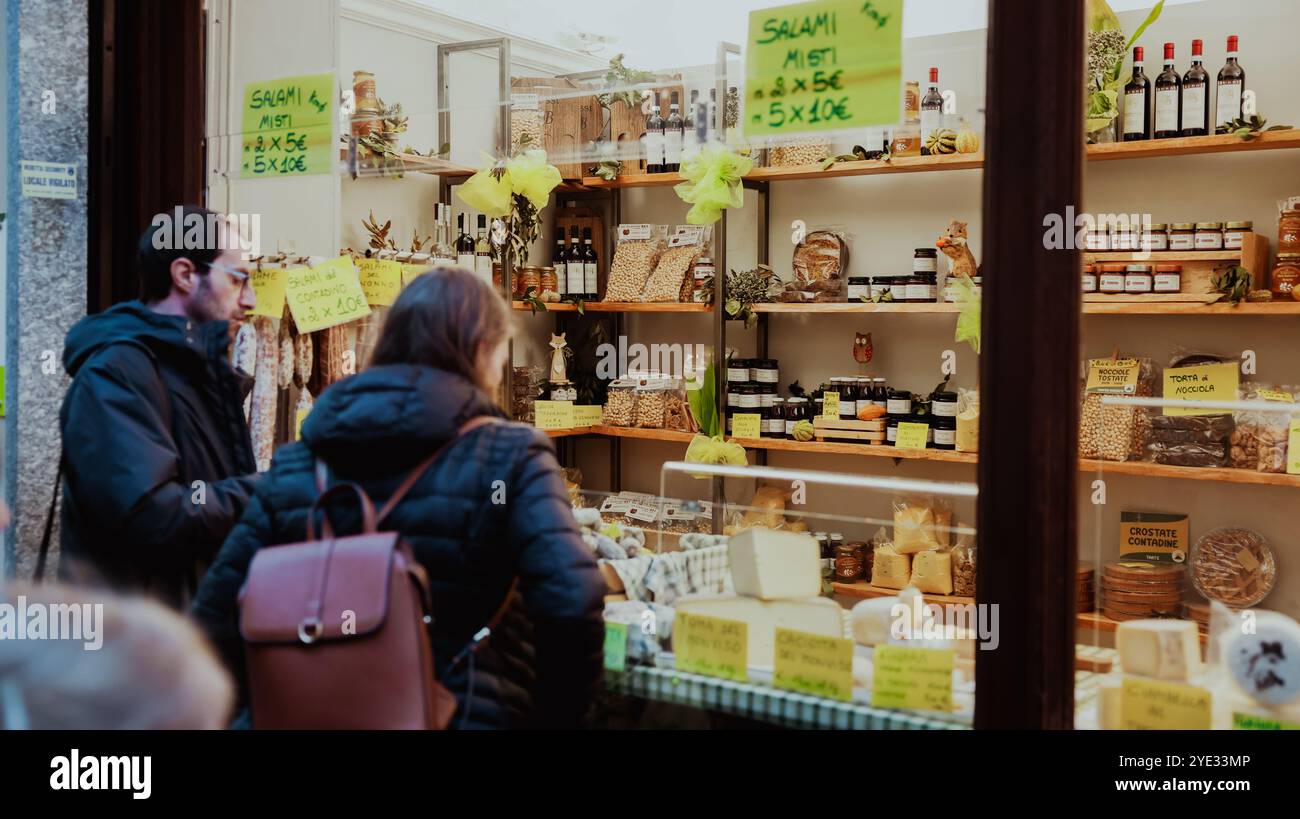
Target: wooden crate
[
  {"x": 627, "y": 124},
  {"x": 569, "y": 122},
  {"x": 1198, "y": 269},
  {"x": 821, "y": 422}
]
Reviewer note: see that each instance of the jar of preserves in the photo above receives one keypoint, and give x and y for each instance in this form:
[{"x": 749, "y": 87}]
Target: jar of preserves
[
  {"x": 1288, "y": 232},
  {"x": 776, "y": 419},
  {"x": 1090, "y": 278},
  {"x": 1110, "y": 279},
  {"x": 880, "y": 284},
  {"x": 859, "y": 288},
  {"x": 943, "y": 432},
  {"x": 899, "y": 404},
  {"x": 1234, "y": 234},
  {"x": 766, "y": 395},
  {"x": 898, "y": 288},
  {"x": 702, "y": 276},
  {"x": 1155, "y": 237},
  {"x": 1182, "y": 236},
  {"x": 925, "y": 260},
  {"x": 848, "y": 389},
  {"x": 738, "y": 371},
  {"x": 748, "y": 398},
  {"x": 764, "y": 371},
  {"x": 1124, "y": 236},
  {"x": 848, "y": 563},
  {"x": 1285, "y": 281},
  {"x": 943, "y": 404},
  {"x": 1137, "y": 278},
  {"x": 529, "y": 277},
  {"x": 823, "y": 546},
  {"x": 733, "y": 396},
  {"x": 1096, "y": 239},
  {"x": 880, "y": 392},
  {"x": 866, "y": 393},
  {"x": 1209, "y": 236},
  {"x": 796, "y": 410},
  {"x": 1168, "y": 278},
  {"x": 496, "y": 276},
  {"x": 922, "y": 288},
  {"x": 891, "y": 428},
  {"x": 546, "y": 277}
]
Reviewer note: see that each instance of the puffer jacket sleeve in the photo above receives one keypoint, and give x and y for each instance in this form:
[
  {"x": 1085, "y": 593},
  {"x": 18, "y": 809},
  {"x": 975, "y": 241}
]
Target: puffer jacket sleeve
[
  {"x": 124, "y": 466},
  {"x": 562, "y": 588},
  {"x": 216, "y": 605}
]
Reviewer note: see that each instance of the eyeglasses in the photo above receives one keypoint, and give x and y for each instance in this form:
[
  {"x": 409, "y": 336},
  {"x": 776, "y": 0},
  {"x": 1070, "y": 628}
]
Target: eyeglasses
[{"x": 239, "y": 276}]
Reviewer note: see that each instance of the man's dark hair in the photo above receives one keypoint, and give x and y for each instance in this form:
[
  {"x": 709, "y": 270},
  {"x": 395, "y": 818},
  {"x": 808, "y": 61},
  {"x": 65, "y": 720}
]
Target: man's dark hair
[{"x": 156, "y": 262}]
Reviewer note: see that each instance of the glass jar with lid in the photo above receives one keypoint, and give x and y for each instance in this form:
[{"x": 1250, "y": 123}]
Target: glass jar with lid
[
  {"x": 1182, "y": 236},
  {"x": 1234, "y": 234},
  {"x": 1285, "y": 281},
  {"x": 796, "y": 410},
  {"x": 529, "y": 277},
  {"x": 943, "y": 404},
  {"x": 1090, "y": 278},
  {"x": 546, "y": 280},
  {"x": 923, "y": 288},
  {"x": 899, "y": 404},
  {"x": 880, "y": 285},
  {"x": 1209, "y": 236},
  {"x": 1110, "y": 279},
  {"x": 1168, "y": 278},
  {"x": 1155, "y": 237},
  {"x": 880, "y": 392},
  {"x": 738, "y": 371},
  {"x": 766, "y": 395},
  {"x": 859, "y": 288},
  {"x": 748, "y": 398},
  {"x": 943, "y": 432},
  {"x": 1124, "y": 236},
  {"x": 1096, "y": 239},
  {"x": 898, "y": 288},
  {"x": 848, "y": 388},
  {"x": 866, "y": 393},
  {"x": 776, "y": 419},
  {"x": 1137, "y": 278},
  {"x": 764, "y": 371},
  {"x": 1288, "y": 232},
  {"x": 925, "y": 260},
  {"x": 848, "y": 562}
]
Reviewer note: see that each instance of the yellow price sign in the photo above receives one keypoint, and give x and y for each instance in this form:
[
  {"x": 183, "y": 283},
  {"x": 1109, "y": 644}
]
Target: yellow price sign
[
  {"x": 918, "y": 678},
  {"x": 1155, "y": 705},
  {"x": 1254, "y": 722},
  {"x": 813, "y": 664},
  {"x": 299, "y": 416},
  {"x": 1208, "y": 382},
  {"x": 824, "y": 65},
  {"x": 381, "y": 281},
  {"x": 912, "y": 436},
  {"x": 616, "y": 646},
  {"x": 412, "y": 271},
  {"x": 587, "y": 415},
  {"x": 268, "y": 287},
  {"x": 325, "y": 295},
  {"x": 287, "y": 127},
  {"x": 711, "y": 646},
  {"x": 747, "y": 425},
  {"x": 553, "y": 414},
  {"x": 830, "y": 405},
  {"x": 1118, "y": 376},
  {"x": 1293, "y": 448}
]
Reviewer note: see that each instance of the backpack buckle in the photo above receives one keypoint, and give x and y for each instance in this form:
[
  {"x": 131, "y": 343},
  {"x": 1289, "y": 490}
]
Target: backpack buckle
[{"x": 310, "y": 630}]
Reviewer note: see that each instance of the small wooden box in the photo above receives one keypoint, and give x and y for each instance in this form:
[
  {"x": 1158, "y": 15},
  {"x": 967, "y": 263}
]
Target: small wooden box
[
  {"x": 569, "y": 122},
  {"x": 581, "y": 218},
  {"x": 848, "y": 425}
]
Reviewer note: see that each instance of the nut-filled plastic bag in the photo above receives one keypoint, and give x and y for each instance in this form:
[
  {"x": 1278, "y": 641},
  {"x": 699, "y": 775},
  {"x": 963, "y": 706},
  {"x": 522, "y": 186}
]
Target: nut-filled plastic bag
[
  {"x": 650, "y": 403},
  {"x": 1260, "y": 439},
  {"x": 636, "y": 252},
  {"x": 963, "y": 569},
  {"x": 620, "y": 403},
  {"x": 1116, "y": 432}
]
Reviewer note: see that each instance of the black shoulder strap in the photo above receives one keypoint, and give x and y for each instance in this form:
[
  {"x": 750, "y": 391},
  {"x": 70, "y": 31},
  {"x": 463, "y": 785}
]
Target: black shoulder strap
[{"x": 43, "y": 554}]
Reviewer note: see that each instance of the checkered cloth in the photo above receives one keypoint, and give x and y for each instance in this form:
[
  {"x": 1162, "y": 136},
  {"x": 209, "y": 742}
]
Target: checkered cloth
[
  {"x": 664, "y": 577},
  {"x": 760, "y": 702}
]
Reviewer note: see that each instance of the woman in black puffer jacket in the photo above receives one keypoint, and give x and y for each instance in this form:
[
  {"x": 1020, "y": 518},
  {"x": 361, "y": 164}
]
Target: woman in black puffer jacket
[{"x": 492, "y": 508}]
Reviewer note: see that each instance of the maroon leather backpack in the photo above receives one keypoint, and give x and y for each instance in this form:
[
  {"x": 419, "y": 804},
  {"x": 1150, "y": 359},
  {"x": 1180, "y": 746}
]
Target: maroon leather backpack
[{"x": 336, "y": 629}]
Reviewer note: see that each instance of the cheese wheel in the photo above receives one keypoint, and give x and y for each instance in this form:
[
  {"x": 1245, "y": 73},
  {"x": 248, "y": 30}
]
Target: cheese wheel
[
  {"x": 1265, "y": 664},
  {"x": 872, "y": 619}
]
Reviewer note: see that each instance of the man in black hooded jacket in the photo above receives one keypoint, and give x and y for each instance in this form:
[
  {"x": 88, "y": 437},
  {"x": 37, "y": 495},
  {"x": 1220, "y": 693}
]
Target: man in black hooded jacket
[{"x": 157, "y": 458}]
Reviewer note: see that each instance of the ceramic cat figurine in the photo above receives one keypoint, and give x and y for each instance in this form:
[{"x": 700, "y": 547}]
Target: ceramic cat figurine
[
  {"x": 953, "y": 244},
  {"x": 558, "y": 368}
]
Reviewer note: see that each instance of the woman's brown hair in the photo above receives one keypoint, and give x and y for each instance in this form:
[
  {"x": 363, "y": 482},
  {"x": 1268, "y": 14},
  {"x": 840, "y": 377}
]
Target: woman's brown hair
[{"x": 446, "y": 318}]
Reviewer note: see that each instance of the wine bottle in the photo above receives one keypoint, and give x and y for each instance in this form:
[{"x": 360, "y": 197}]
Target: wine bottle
[
  {"x": 931, "y": 111},
  {"x": 690, "y": 136},
  {"x": 560, "y": 260},
  {"x": 1137, "y": 101},
  {"x": 1232, "y": 81},
  {"x": 589, "y": 260},
  {"x": 443, "y": 251},
  {"x": 1196, "y": 95},
  {"x": 654, "y": 141},
  {"x": 1169, "y": 88},
  {"x": 711, "y": 118},
  {"x": 674, "y": 130},
  {"x": 464, "y": 243},
  {"x": 483, "y": 252}
]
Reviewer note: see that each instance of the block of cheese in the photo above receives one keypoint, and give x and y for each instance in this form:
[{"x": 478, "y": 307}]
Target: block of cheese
[
  {"x": 1266, "y": 663},
  {"x": 872, "y": 619},
  {"x": 932, "y": 572},
  {"x": 1164, "y": 649},
  {"x": 890, "y": 570},
  {"x": 815, "y": 615},
  {"x": 772, "y": 565}
]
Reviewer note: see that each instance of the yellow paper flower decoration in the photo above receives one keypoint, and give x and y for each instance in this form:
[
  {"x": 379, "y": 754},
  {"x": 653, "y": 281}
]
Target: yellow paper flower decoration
[
  {"x": 713, "y": 183},
  {"x": 488, "y": 191},
  {"x": 532, "y": 177}
]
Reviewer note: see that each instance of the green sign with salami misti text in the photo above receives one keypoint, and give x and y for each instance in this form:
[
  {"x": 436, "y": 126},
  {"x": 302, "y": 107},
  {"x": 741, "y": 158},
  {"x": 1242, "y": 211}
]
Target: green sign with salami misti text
[{"x": 824, "y": 66}]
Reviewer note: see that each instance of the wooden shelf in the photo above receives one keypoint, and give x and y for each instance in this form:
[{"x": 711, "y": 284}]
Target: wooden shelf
[
  {"x": 1221, "y": 474},
  {"x": 620, "y": 307},
  {"x": 870, "y": 167},
  {"x": 1096, "y": 621},
  {"x": 565, "y": 433},
  {"x": 1279, "y": 308},
  {"x": 1161, "y": 256},
  {"x": 637, "y": 180},
  {"x": 871, "y": 450},
  {"x": 866, "y": 590},
  {"x": 1184, "y": 146},
  {"x": 414, "y": 164},
  {"x": 856, "y": 307},
  {"x": 644, "y": 434}
]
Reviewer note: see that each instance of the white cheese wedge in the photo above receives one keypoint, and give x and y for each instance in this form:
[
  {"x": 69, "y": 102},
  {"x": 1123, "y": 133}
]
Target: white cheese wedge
[
  {"x": 772, "y": 565},
  {"x": 1164, "y": 649},
  {"x": 1265, "y": 663},
  {"x": 872, "y": 620},
  {"x": 815, "y": 615}
]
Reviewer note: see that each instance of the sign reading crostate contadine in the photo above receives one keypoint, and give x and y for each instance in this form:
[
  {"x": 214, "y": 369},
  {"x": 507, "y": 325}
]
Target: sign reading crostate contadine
[
  {"x": 49, "y": 180},
  {"x": 824, "y": 66}
]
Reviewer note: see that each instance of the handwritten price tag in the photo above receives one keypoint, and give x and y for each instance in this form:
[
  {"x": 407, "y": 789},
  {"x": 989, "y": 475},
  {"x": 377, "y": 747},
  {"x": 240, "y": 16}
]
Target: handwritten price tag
[
  {"x": 585, "y": 415},
  {"x": 298, "y": 417},
  {"x": 1153, "y": 705},
  {"x": 381, "y": 281},
  {"x": 1293, "y": 448},
  {"x": 1210, "y": 382},
  {"x": 830, "y": 405},
  {"x": 824, "y": 65},
  {"x": 268, "y": 287},
  {"x": 325, "y": 295},
  {"x": 615, "y": 646},
  {"x": 747, "y": 425},
  {"x": 287, "y": 126},
  {"x": 918, "y": 678},
  {"x": 553, "y": 414},
  {"x": 812, "y": 664},
  {"x": 1253, "y": 722},
  {"x": 711, "y": 646},
  {"x": 912, "y": 436},
  {"x": 411, "y": 271}
]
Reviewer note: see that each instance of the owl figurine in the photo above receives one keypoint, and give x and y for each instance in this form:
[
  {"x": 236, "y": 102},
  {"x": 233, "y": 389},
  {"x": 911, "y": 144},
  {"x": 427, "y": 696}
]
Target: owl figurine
[{"x": 862, "y": 349}]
